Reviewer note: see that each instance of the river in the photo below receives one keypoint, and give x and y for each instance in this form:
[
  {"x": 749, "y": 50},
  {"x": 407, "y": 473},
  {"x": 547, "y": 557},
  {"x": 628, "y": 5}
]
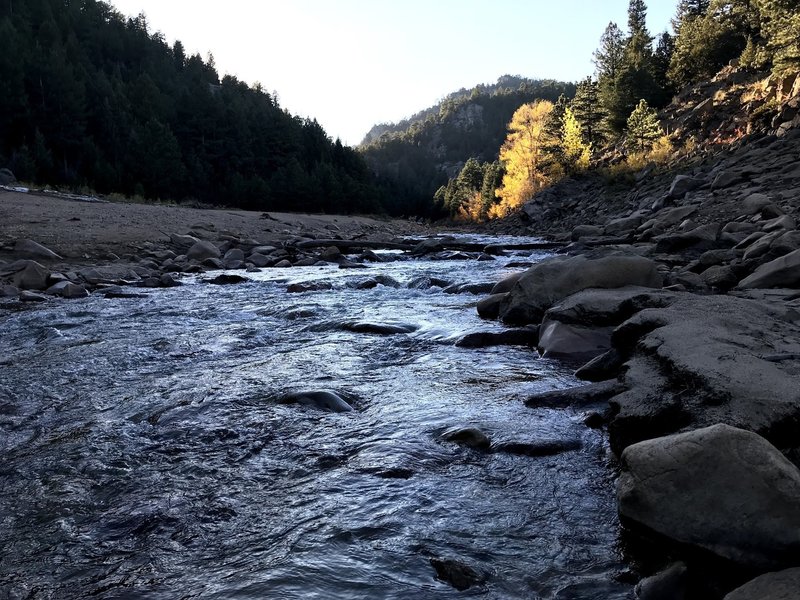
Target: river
[{"x": 144, "y": 454}]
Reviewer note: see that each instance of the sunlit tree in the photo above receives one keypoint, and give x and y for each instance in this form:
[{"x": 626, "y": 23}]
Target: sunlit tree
[
  {"x": 523, "y": 155},
  {"x": 643, "y": 128}
]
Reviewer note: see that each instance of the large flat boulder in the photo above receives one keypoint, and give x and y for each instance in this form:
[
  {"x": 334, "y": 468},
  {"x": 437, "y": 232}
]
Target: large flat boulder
[
  {"x": 709, "y": 359},
  {"x": 34, "y": 250},
  {"x": 722, "y": 489},
  {"x": 548, "y": 282}
]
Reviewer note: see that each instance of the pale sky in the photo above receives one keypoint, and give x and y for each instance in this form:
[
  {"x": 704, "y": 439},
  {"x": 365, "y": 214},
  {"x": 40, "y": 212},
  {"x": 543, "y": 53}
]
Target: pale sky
[{"x": 354, "y": 63}]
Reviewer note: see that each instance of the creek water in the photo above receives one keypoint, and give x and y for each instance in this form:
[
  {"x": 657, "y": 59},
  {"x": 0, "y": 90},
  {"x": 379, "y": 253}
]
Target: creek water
[{"x": 144, "y": 454}]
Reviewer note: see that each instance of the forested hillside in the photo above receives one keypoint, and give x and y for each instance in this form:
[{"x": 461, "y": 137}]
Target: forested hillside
[
  {"x": 416, "y": 156},
  {"x": 89, "y": 98},
  {"x": 612, "y": 123}
]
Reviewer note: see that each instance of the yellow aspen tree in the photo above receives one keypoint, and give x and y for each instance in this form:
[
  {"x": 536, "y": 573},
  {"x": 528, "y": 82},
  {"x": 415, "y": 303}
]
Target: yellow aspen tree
[
  {"x": 523, "y": 156},
  {"x": 574, "y": 151}
]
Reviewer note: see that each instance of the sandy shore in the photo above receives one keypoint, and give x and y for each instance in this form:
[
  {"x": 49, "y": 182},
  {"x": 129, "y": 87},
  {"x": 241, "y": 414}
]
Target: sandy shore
[{"x": 92, "y": 230}]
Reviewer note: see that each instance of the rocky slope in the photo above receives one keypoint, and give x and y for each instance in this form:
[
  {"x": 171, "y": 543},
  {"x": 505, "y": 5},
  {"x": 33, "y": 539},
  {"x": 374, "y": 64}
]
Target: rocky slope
[{"x": 681, "y": 288}]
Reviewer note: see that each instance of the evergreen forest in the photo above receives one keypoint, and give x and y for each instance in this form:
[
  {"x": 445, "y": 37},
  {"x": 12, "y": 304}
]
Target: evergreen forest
[{"x": 90, "y": 99}]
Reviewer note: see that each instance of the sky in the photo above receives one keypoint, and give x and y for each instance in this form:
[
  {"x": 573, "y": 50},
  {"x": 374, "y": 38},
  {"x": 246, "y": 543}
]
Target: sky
[{"x": 351, "y": 64}]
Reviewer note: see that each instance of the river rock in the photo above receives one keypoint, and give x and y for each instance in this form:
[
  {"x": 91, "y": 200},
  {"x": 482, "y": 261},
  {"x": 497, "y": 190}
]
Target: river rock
[
  {"x": 601, "y": 368},
  {"x": 323, "y": 399},
  {"x": 168, "y": 280},
  {"x": 458, "y": 574},
  {"x": 624, "y": 225},
  {"x": 7, "y": 177},
  {"x": 32, "y": 277},
  {"x": 683, "y": 184},
  {"x": 259, "y": 260},
  {"x": 720, "y": 488},
  {"x": 526, "y": 336},
  {"x": 604, "y": 307},
  {"x": 704, "y": 360},
  {"x": 28, "y": 296},
  {"x": 550, "y": 281},
  {"x": 506, "y": 284},
  {"x": 31, "y": 249},
  {"x": 785, "y": 243},
  {"x": 234, "y": 254},
  {"x": 282, "y": 264},
  {"x": 782, "y": 585},
  {"x": 783, "y": 272},
  {"x": 754, "y": 203},
  {"x": 183, "y": 241},
  {"x": 227, "y": 279},
  {"x": 560, "y": 340},
  {"x": 67, "y": 289},
  {"x": 537, "y": 447},
  {"x": 578, "y": 397},
  {"x": 784, "y": 223},
  {"x": 489, "y": 307},
  {"x": 698, "y": 239},
  {"x": 377, "y": 280},
  {"x": 667, "y": 217},
  {"x": 584, "y": 231},
  {"x": 472, "y": 437},
  {"x": 308, "y": 286},
  {"x": 8, "y": 291},
  {"x": 202, "y": 250},
  {"x": 669, "y": 584},
  {"x": 761, "y": 246},
  {"x": 380, "y": 328}
]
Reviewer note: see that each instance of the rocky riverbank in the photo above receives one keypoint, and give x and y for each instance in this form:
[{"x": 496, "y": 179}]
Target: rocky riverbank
[{"x": 682, "y": 301}]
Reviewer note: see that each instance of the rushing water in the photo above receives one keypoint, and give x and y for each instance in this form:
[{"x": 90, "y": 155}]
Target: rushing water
[{"x": 144, "y": 454}]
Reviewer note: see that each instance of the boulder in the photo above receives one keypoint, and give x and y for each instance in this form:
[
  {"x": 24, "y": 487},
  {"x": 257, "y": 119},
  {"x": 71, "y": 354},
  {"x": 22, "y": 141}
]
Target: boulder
[
  {"x": 761, "y": 246},
  {"x": 722, "y": 489},
  {"x": 601, "y": 368},
  {"x": 234, "y": 254},
  {"x": 34, "y": 250},
  {"x": 783, "y": 272},
  {"x": 506, "y": 284},
  {"x": 559, "y": 340},
  {"x": 32, "y": 277},
  {"x": 547, "y": 282},
  {"x": 489, "y": 307},
  {"x": 380, "y": 328},
  {"x": 331, "y": 254},
  {"x": 781, "y": 585},
  {"x": 537, "y": 447},
  {"x": 623, "y": 226},
  {"x": 259, "y": 260},
  {"x": 527, "y": 336},
  {"x": 202, "y": 250},
  {"x": 282, "y": 264},
  {"x": 584, "y": 395},
  {"x": 226, "y": 279},
  {"x": 604, "y": 307},
  {"x": 784, "y": 223},
  {"x": 785, "y": 243},
  {"x": 583, "y": 231},
  {"x": 7, "y": 177},
  {"x": 67, "y": 289},
  {"x": 8, "y": 291},
  {"x": 669, "y": 584},
  {"x": 726, "y": 179},
  {"x": 183, "y": 241},
  {"x": 28, "y": 296},
  {"x": 668, "y": 217},
  {"x": 698, "y": 239},
  {"x": 682, "y": 184},
  {"x": 705, "y": 360},
  {"x": 308, "y": 286},
  {"x": 754, "y": 203},
  {"x": 167, "y": 280}
]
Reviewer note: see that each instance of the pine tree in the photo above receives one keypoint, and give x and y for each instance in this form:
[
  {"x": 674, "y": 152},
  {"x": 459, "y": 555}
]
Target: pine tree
[
  {"x": 780, "y": 21},
  {"x": 589, "y": 112},
  {"x": 643, "y": 128}
]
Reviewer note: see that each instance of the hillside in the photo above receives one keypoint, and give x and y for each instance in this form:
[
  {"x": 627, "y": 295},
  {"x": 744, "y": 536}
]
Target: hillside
[
  {"x": 90, "y": 99},
  {"x": 417, "y": 155}
]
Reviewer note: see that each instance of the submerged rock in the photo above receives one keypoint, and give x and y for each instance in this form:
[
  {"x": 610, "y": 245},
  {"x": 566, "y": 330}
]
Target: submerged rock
[
  {"x": 323, "y": 399},
  {"x": 458, "y": 574},
  {"x": 471, "y": 437},
  {"x": 527, "y": 336},
  {"x": 380, "y": 328},
  {"x": 720, "y": 488},
  {"x": 227, "y": 279}
]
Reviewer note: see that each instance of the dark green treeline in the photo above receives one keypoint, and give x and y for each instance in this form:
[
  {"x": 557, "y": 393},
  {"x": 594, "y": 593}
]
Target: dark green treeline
[{"x": 89, "y": 98}]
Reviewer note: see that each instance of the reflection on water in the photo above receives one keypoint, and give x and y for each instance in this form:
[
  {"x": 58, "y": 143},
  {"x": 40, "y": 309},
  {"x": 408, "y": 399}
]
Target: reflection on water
[{"x": 144, "y": 455}]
